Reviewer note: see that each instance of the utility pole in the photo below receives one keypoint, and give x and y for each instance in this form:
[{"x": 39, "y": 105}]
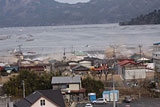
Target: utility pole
[
  {"x": 23, "y": 88},
  {"x": 114, "y": 103},
  {"x": 114, "y": 56},
  {"x": 64, "y": 55},
  {"x": 19, "y": 56},
  {"x": 140, "y": 50}
]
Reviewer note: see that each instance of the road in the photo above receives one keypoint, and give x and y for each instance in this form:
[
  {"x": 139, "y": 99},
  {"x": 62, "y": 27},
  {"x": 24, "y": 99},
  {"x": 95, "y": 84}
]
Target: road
[{"x": 139, "y": 103}]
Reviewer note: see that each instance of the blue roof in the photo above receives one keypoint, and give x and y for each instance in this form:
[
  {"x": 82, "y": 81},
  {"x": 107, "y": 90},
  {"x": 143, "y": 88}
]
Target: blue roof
[
  {"x": 11, "y": 68},
  {"x": 106, "y": 92},
  {"x": 111, "y": 91},
  {"x": 116, "y": 91},
  {"x": 158, "y": 43}
]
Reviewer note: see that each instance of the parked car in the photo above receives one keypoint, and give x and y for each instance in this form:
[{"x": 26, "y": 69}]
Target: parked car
[
  {"x": 128, "y": 106},
  {"x": 128, "y": 99},
  {"x": 88, "y": 105},
  {"x": 100, "y": 101}
]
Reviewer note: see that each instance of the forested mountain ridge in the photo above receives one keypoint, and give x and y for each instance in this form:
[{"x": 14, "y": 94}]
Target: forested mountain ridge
[
  {"x": 49, "y": 12},
  {"x": 151, "y": 18}
]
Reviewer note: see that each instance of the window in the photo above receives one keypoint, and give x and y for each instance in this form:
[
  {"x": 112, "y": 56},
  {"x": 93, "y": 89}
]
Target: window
[
  {"x": 67, "y": 85},
  {"x": 42, "y": 102}
]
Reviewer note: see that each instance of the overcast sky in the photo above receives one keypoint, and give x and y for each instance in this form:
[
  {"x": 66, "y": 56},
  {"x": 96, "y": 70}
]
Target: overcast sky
[{"x": 72, "y": 1}]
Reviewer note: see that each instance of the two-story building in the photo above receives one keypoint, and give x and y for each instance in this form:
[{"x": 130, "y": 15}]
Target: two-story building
[{"x": 70, "y": 86}]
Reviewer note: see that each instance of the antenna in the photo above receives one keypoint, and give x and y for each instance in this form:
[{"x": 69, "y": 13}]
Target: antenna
[
  {"x": 114, "y": 51},
  {"x": 20, "y": 51},
  {"x": 64, "y": 54}
]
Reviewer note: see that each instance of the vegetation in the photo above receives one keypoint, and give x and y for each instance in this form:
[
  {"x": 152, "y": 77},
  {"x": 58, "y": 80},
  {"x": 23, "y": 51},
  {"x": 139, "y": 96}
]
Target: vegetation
[
  {"x": 93, "y": 86},
  {"x": 151, "y": 18},
  {"x": 33, "y": 81}
]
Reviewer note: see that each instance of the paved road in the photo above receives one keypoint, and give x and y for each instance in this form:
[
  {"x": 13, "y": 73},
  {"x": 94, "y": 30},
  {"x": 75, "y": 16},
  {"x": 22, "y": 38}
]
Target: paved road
[{"x": 138, "y": 103}]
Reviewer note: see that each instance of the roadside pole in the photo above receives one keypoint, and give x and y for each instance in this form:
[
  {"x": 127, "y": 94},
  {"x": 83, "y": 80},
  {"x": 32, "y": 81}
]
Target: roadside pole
[
  {"x": 114, "y": 103},
  {"x": 23, "y": 88}
]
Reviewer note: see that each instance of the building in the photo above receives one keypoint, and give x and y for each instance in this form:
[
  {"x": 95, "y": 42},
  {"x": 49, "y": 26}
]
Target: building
[
  {"x": 79, "y": 69},
  {"x": 42, "y": 98},
  {"x": 70, "y": 86},
  {"x": 156, "y": 56},
  {"x": 37, "y": 68},
  {"x": 131, "y": 70}
]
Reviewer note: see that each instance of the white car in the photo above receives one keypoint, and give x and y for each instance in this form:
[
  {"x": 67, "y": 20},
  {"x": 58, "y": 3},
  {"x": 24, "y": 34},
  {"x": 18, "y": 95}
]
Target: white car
[
  {"x": 88, "y": 105},
  {"x": 100, "y": 101}
]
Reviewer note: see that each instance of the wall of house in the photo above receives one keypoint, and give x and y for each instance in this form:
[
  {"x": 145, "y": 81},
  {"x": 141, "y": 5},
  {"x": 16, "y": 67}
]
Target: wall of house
[
  {"x": 47, "y": 103},
  {"x": 135, "y": 74},
  {"x": 73, "y": 87}
]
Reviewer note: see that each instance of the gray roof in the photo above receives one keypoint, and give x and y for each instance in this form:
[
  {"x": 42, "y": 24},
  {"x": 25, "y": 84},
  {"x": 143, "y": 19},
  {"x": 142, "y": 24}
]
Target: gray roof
[
  {"x": 64, "y": 80},
  {"x": 53, "y": 95}
]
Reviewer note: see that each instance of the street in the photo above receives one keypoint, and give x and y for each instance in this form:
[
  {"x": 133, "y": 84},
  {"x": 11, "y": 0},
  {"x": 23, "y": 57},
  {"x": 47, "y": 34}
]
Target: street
[{"x": 139, "y": 103}]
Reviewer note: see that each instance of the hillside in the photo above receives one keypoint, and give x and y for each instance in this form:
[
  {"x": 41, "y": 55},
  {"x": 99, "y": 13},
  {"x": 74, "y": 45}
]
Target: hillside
[
  {"x": 151, "y": 18},
  {"x": 50, "y": 12}
]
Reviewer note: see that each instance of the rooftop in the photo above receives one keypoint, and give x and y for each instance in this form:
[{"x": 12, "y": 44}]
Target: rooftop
[
  {"x": 53, "y": 95},
  {"x": 63, "y": 80}
]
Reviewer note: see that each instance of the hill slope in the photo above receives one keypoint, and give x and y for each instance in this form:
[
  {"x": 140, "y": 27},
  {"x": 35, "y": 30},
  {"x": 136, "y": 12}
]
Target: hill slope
[
  {"x": 151, "y": 18},
  {"x": 50, "y": 12}
]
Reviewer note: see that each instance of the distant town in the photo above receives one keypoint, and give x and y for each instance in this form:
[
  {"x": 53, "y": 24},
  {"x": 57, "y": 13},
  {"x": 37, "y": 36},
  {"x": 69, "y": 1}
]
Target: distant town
[{"x": 81, "y": 79}]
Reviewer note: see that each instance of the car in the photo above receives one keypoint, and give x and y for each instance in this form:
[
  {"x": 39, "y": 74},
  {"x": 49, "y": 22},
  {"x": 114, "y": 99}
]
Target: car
[
  {"x": 100, "y": 101},
  {"x": 88, "y": 105},
  {"x": 128, "y": 99},
  {"x": 128, "y": 106}
]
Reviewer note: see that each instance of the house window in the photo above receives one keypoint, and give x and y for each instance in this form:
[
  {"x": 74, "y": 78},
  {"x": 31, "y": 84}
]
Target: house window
[
  {"x": 42, "y": 102},
  {"x": 67, "y": 85}
]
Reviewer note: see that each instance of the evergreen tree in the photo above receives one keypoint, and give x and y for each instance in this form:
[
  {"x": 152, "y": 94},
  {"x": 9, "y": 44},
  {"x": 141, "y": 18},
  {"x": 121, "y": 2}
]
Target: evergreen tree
[{"x": 33, "y": 81}]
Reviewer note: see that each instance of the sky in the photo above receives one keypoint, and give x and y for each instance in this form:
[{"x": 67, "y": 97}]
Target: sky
[{"x": 72, "y": 1}]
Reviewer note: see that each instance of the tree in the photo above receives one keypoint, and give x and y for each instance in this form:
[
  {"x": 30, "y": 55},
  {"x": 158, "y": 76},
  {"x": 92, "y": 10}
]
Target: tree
[
  {"x": 93, "y": 86},
  {"x": 32, "y": 80}
]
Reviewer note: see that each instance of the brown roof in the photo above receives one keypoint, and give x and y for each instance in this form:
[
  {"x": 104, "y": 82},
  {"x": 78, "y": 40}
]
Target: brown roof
[{"x": 78, "y": 91}]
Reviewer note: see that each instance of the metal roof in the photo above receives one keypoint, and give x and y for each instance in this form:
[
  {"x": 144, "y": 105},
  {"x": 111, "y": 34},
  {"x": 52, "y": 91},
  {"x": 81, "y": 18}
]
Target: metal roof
[
  {"x": 158, "y": 43},
  {"x": 64, "y": 80},
  {"x": 53, "y": 95}
]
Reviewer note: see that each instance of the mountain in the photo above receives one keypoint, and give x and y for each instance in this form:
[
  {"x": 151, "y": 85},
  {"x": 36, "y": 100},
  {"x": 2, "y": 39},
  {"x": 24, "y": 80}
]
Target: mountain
[
  {"x": 151, "y": 18},
  {"x": 49, "y": 12}
]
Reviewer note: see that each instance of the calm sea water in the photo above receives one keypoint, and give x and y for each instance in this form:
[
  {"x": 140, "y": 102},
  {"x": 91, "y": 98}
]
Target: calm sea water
[{"x": 52, "y": 39}]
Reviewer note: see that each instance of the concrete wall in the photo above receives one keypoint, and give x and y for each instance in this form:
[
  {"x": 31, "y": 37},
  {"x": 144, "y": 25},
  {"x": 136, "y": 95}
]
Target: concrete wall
[
  {"x": 47, "y": 103},
  {"x": 135, "y": 74},
  {"x": 73, "y": 87}
]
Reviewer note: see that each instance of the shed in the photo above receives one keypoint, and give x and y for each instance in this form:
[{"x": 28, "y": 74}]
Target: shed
[
  {"x": 92, "y": 96},
  {"x": 106, "y": 95},
  {"x": 109, "y": 95}
]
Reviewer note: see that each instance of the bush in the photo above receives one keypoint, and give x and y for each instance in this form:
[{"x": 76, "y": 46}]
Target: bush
[{"x": 93, "y": 86}]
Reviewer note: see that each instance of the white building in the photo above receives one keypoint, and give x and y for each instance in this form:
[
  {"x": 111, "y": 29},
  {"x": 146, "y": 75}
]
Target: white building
[{"x": 156, "y": 56}]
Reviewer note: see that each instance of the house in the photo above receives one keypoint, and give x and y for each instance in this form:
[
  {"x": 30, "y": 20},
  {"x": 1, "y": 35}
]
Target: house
[
  {"x": 38, "y": 68},
  {"x": 131, "y": 70},
  {"x": 1, "y": 68},
  {"x": 42, "y": 98},
  {"x": 61, "y": 67},
  {"x": 79, "y": 69},
  {"x": 70, "y": 86},
  {"x": 86, "y": 63}
]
